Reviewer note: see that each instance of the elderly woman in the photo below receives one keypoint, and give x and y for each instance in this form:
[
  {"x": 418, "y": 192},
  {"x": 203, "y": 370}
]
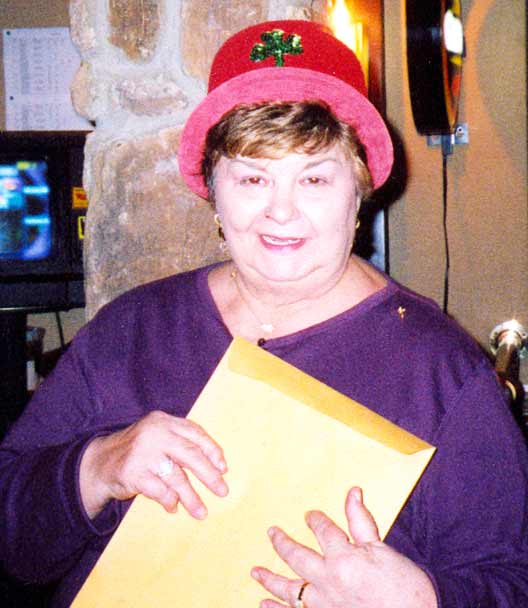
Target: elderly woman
[{"x": 285, "y": 145}]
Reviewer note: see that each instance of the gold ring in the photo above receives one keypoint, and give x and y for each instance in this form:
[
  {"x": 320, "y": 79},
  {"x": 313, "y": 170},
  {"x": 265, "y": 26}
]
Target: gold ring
[{"x": 299, "y": 601}]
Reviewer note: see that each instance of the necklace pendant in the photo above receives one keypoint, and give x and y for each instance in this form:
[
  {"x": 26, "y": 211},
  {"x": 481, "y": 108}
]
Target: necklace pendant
[{"x": 267, "y": 328}]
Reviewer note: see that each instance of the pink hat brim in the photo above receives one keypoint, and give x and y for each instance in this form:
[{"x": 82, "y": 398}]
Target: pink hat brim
[{"x": 286, "y": 84}]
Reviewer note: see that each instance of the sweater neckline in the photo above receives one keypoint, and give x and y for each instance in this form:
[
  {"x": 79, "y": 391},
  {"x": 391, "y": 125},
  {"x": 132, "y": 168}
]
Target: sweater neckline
[{"x": 358, "y": 310}]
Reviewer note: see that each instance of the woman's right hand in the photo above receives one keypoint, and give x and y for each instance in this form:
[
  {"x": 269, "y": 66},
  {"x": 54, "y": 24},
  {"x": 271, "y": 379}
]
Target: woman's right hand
[{"x": 126, "y": 463}]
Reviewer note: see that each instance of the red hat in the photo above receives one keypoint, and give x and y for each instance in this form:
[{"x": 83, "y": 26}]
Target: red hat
[{"x": 286, "y": 61}]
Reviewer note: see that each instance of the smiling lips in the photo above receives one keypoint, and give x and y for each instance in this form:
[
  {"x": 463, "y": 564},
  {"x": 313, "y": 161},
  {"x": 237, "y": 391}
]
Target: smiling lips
[{"x": 281, "y": 243}]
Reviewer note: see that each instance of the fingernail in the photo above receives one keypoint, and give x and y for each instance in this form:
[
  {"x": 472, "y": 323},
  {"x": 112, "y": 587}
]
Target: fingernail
[
  {"x": 255, "y": 574},
  {"x": 357, "y": 494},
  {"x": 271, "y": 531},
  {"x": 222, "y": 489},
  {"x": 200, "y": 513}
]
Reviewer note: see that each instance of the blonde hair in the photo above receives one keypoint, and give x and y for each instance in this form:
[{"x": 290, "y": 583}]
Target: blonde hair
[{"x": 275, "y": 129}]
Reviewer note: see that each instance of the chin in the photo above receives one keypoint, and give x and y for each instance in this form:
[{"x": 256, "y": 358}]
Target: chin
[
  {"x": 279, "y": 273},
  {"x": 287, "y": 269}
]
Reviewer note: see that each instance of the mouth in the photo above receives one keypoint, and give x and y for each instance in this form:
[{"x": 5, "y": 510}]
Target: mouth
[{"x": 275, "y": 241}]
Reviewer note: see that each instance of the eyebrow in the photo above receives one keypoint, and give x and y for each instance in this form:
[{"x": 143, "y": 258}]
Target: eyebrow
[
  {"x": 255, "y": 163},
  {"x": 315, "y": 163}
]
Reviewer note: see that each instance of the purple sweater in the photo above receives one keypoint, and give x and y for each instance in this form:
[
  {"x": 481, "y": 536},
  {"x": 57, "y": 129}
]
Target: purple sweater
[{"x": 155, "y": 348}]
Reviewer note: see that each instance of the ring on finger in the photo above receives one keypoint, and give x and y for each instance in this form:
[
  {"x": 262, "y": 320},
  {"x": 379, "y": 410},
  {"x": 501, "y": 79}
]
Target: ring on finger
[
  {"x": 165, "y": 468},
  {"x": 299, "y": 601}
]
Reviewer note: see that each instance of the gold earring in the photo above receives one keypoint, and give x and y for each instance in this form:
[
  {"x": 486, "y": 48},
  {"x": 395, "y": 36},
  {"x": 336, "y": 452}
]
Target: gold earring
[
  {"x": 218, "y": 222},
  {"x": 358, "y": 224}
]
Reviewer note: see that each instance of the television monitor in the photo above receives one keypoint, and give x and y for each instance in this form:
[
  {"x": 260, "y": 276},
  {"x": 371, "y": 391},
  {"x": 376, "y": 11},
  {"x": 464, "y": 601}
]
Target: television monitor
[
  {"x": 25, "y": 220},
  {"x": 42, "y": 211}
]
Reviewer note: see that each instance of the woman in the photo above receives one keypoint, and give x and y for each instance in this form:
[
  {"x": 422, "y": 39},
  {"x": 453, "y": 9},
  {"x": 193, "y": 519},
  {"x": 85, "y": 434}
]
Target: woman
[{"x": 285, "y": 145}]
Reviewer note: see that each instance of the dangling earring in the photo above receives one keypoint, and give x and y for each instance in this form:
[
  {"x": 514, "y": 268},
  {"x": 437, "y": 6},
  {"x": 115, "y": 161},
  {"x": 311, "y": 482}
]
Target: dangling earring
[
  {"x": 358, "y": 224},
  {"x": 218, "y": 222},
  {"x": 222, "y": 245}
]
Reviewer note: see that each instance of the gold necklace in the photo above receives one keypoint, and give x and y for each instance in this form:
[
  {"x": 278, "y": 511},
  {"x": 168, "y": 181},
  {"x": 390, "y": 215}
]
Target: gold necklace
[{"x": 267, "y": 328}]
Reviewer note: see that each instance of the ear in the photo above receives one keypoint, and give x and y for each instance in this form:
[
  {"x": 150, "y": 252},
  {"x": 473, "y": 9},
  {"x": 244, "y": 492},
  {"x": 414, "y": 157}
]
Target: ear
[{"x": 359, "y": 200}]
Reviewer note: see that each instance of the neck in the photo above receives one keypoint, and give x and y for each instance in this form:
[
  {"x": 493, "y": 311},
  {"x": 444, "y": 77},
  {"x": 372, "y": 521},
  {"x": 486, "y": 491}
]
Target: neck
[
  {"x": 245, "y": 296},
  {"x": 263, "y": 312}
]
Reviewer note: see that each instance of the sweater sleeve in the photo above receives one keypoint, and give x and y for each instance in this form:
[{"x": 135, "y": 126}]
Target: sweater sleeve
[
  {"x": 472, "y": 505},
  {"x": 44, "y": 528}
]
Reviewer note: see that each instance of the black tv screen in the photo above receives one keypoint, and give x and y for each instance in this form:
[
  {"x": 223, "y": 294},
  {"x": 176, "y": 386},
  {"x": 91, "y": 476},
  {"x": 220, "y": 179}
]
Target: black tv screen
[{"x": 41, "y": 220}]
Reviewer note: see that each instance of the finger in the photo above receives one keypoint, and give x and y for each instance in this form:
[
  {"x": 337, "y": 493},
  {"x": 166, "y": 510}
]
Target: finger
[
  {"x": 305, "y": 562},
  {"x": 281, "y": 587},
  {"x": 155, "y": 489},
  {"x": 362, "y": 526},
  {"x": 190, "y": 455},
  {"x": 329, "y": 536},
  {"x": 178, "y": 483},
  {"x": 196, "y": 434},
  {"x": 272, "y": 604}
]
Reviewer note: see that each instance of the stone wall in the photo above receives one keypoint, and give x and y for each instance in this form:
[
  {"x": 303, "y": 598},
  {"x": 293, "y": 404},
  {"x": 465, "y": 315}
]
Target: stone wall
[{"x": 144, "y": 68}]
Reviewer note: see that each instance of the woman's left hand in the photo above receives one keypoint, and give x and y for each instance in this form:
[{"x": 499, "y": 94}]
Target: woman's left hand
[{"x": 364, "y": 574}]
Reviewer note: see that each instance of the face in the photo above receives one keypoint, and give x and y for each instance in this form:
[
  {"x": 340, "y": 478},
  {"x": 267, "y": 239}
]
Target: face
[{"x": 290, "y": 219}]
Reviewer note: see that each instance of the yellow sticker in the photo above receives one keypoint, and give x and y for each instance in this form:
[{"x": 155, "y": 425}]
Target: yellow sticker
[
  {"x": 79, "y": 198},
  {"x": 80, "y": 226}
]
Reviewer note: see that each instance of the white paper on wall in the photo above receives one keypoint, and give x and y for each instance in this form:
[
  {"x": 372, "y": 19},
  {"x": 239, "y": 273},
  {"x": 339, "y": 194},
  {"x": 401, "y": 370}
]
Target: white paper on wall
[{"x": 39, "y": 67}]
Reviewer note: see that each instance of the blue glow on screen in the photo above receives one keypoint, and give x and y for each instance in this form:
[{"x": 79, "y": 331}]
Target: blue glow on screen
[{"x": 25, "y": 218}]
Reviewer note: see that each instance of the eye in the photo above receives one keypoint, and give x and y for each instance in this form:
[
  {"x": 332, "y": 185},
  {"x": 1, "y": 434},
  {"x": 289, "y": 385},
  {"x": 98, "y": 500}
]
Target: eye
[
  {"x": 314, "y": 180},
  {"x": 253, "y": 180}
]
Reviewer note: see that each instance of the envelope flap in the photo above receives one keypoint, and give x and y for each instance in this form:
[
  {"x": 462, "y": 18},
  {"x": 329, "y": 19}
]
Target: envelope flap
[{"x": 249, "y": 360}]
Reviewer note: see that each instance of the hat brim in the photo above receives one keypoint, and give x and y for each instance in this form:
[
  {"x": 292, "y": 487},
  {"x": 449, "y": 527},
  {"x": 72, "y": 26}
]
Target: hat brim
[{"x": 285, "y": 84}]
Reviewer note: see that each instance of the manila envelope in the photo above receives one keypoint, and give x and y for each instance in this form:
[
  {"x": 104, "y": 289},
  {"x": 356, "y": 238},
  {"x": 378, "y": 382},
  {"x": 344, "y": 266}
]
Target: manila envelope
[{"x": 292, "y": 444}]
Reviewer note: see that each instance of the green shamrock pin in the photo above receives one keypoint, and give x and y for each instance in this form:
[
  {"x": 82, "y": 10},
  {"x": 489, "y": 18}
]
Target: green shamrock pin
[{"x": 276, "y": 46}]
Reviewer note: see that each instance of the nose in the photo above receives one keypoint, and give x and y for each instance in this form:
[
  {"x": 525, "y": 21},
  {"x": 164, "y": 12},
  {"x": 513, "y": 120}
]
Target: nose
[{"x": 282, "y": 206}]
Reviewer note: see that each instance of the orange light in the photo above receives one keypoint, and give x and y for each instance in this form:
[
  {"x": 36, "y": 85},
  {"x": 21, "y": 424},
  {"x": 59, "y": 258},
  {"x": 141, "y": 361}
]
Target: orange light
[{"x": 350, "y": 32}]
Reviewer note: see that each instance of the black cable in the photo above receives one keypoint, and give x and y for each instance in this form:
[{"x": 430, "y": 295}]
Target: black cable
[
  {"x": 61, "y": 332},
  {"x": 447, "y": 149}
]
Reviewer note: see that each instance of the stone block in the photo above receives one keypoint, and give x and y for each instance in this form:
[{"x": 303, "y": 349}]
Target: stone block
[
  {"x": 308, "y": 10},
  {"x": 151, "y": 96},
  {"x": 134, "y": 27},
  {"x": 89, "y": 94},
  {"x": 82, "y": 24}
]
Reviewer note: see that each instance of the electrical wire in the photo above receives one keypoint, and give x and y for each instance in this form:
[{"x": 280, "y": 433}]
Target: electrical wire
[
  {"x": 446, "y": 151},
  {"x": 60, "y": 330}
]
